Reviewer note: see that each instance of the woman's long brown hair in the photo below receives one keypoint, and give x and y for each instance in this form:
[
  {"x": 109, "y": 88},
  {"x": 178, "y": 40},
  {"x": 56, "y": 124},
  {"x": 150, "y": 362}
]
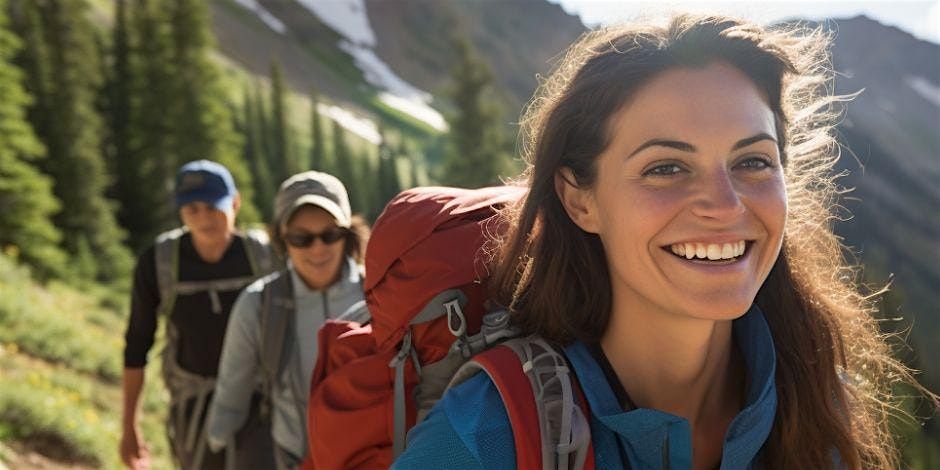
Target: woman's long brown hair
[{"x": 834, "y": 370}]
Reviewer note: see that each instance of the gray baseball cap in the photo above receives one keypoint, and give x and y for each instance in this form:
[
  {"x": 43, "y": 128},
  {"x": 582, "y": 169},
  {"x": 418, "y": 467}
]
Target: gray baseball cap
[{"x": 315, "y": 188}]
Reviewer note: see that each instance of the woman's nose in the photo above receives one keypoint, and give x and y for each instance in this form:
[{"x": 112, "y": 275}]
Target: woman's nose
[
  {"x": 718, "y": 198},
  {"x": 317, "y": 244}
]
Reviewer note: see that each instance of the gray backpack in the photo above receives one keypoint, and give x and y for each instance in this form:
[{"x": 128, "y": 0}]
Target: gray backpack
[{"x": 183, "y": 385}]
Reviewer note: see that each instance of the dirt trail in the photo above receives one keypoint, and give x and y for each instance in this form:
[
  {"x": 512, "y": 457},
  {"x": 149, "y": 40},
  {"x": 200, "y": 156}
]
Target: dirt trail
[{"x": 17, "y": 456}]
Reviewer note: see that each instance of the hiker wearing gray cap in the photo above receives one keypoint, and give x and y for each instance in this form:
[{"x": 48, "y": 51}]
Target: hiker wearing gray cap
[
  {"x": 191, "y": 277},
  {"x": 272, "y": 338}
]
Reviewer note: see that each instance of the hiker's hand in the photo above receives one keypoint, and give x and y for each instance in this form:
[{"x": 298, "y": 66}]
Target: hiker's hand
[{"x": 134, "y": 451}]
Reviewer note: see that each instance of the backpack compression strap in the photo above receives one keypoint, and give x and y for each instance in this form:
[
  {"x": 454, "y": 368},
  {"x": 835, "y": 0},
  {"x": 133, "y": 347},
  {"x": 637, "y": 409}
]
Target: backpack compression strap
[
  {"x": 167, "y": 259},
  {"x": 502, "y": 365},
  {"x": 277, "y": 309},
  {"x": 166, "y": 256},
  {"x": 546, "y": 407},
  {"x": 258, "y": 249}
]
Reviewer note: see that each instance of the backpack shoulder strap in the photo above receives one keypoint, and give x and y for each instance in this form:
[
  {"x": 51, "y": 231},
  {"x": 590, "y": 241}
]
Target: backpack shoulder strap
[
  {"x": 277, "y": 307},
  {"x": 545, "y": 405},
  {"x": 258, "y": 248},
  {"x": 167, "y": 259}
]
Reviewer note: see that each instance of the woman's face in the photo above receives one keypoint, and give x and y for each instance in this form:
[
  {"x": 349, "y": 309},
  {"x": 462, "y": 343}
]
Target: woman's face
[
  {"x": 689, "y": 201},
  {"x": 318, "y": 263}
]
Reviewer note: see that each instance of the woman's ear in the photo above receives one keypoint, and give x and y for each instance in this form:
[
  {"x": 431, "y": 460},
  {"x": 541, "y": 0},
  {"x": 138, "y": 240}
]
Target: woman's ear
[{"x": 578, "y": 202}]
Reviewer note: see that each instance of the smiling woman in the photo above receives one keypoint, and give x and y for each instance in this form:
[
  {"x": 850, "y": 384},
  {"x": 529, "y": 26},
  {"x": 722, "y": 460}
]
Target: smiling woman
[
  {"x": 674, "y": 241},
  {"x": 271, "y": 338}
]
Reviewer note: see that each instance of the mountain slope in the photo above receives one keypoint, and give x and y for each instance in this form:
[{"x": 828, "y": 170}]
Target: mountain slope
[
  {"x": 516, "y": 38},
  {"x": 892, "y": 129},
  {"x": 891, "y": 132}
]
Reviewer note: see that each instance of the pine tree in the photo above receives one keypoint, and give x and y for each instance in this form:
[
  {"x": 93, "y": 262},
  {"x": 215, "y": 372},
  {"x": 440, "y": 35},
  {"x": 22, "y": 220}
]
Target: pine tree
[
  {"x": 264, "y": 143},
  {"x": 202, "y": 124},
  {"x": 282, "y": 162},
  {"x": 345, "y": 168},
  {"x": 255, "y": 156},
  {"x": 66, "y": 122},
  {"x": 388, "y": 183},
  {"x": 317, "y": 147},
  {"x": 137, "y": 192},
  {"x": 364, "y": 183},
  {"x": 477, "y": 149},
  {"x": 415, "y": 165},
  {"x": 26, "y": 199},
  {"x": 152, "y": 169}
]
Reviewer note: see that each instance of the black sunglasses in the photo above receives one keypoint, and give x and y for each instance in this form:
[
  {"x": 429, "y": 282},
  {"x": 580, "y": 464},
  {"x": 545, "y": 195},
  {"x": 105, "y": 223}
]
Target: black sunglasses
[{"x": 305, "y": 239}]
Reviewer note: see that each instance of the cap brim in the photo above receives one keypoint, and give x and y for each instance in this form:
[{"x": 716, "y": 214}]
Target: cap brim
[
  {"x": 223, "y": 203},
  {"x": 322, "y": 202}
]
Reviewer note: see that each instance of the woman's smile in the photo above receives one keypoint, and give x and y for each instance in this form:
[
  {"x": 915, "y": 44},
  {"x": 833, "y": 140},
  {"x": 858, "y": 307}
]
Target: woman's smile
[{"x": 711, "y": 258}]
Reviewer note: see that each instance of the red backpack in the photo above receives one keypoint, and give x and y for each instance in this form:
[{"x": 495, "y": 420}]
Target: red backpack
[{"x": 426, "y": 293}]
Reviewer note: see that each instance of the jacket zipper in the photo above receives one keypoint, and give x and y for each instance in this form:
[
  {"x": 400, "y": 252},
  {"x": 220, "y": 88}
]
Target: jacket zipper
[{"x": 666, "y": 451}]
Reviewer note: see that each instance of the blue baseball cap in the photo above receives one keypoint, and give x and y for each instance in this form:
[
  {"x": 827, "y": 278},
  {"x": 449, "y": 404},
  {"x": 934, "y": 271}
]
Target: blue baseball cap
[{"x": 205, "y": 181}]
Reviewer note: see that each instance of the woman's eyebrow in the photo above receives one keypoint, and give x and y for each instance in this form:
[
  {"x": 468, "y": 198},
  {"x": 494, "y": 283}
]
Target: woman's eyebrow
[
  {"x": 674, "y": 144},
  {"x": 752, "y": 140},
  {"x": 687, "y": 147}
]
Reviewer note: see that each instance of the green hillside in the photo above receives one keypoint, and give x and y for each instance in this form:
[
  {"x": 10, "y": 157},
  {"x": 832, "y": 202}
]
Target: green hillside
[{"x": 60, "y": 365}]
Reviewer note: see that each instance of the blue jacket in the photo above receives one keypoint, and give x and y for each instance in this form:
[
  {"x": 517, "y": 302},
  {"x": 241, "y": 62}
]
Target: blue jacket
[{"x": 469, "y": 427}]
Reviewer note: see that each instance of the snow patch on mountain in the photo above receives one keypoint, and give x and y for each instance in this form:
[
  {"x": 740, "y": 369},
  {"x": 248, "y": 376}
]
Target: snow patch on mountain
[
  {"x": 349, "y": 18},
  {"x": 417, "y": 108},
  {"x": 362, "y": 127},
  {"x": 924, "y": 88},
  {"x": 264, "y": 15}
]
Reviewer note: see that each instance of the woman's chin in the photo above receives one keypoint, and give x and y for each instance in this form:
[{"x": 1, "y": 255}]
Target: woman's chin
[{"x": 719, "y": 309}]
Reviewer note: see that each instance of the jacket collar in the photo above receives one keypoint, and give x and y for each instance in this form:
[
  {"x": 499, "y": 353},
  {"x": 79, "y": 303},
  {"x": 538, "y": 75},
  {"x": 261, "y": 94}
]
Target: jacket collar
[{"x": 646, "y": 429}]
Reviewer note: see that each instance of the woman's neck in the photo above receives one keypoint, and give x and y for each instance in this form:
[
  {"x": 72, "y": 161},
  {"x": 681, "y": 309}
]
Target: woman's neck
[
  {"x": 676, "y": 364},
  {"x": 211, "y": 250}
]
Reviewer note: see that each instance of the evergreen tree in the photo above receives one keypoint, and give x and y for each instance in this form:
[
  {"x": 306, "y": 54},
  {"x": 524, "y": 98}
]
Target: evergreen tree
[
  {"x": 152, "y": 163},
  {"x": 26, "y": 199},
  {"x": 202, "y": 124},
  {"x": 388, "y": 183},
  {"x": 255, "y": 156},
  {"x": 414, "y": 165},
  {"x": 317, "y": 147},
  {"x": 477, "y": 149},
  {"x": 136, "y": 192},
  {"x": 65, "y": 120},
  {"x": 282, "y": 162},
  {"x": 264, "y": 144},
  {"x": 364, "y": 183},
  {"x": 345, "y": 168}
]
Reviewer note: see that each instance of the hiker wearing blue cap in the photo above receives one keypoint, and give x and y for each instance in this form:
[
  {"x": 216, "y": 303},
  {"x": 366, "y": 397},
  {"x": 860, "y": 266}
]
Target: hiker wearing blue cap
[{"x": 191, "y": 277}]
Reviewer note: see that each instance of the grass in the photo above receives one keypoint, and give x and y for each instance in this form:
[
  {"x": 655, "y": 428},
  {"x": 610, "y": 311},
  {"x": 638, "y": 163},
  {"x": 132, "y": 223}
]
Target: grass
[
  {"x": 58, "y": 324},
  {"x": 60, "y": 365}
]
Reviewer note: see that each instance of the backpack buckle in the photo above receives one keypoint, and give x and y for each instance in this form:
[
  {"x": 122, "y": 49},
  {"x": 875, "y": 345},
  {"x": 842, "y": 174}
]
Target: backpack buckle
[
  {"x": 403, "y": 351},
  {"x": 456, "y": 321}
]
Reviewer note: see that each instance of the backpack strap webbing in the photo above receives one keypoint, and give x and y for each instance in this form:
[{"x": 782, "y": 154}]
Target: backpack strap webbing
[
  {"x": 167, "y": 260},
  {"x": 167, "y": 256},
  {"x": 546, "y": 407},
  {"x": 517, "y": 394},
  {"x": 258, "y": 248},
  {"x": 277, "y": 308},
  {"x": 586, "y": 410}
]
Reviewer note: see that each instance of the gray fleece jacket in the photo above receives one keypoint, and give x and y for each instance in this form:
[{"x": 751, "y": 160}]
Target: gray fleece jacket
[{"x": 240, "y": 368}]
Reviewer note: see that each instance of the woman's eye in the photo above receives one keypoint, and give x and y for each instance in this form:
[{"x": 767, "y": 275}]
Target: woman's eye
[
  {"x": 755, "y": 163},
  {"x": 668, "y": 169}
]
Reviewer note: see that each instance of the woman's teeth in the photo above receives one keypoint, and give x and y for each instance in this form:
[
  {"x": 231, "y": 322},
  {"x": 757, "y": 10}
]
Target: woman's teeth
[{"x": 711, "y": 251}]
